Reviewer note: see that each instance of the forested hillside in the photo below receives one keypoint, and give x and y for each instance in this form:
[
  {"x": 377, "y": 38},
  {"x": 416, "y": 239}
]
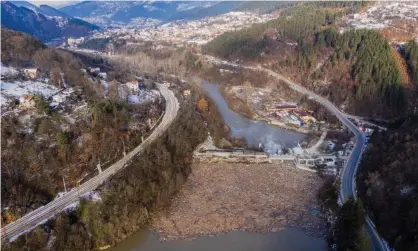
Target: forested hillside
[
  {"x": 411, "y": 56},
  {"x": 40, "y": 149},
  {"x": 18, "y": 48},
  {"x": 387, "y": 183},
  {"x": 129, "y": 198},
  {"x": 356, "y": 69},
  {"x": 374, "y": 80}
]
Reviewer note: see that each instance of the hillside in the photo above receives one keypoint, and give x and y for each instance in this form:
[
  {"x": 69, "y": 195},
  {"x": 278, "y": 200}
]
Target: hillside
[
  {"x": 18, "y": 48},
  {"x": 356, "y": 70},
  {"x": 42, "y": 26},
  {"x": 387, "y": 184},
  {"x": 60, "y": 117}
]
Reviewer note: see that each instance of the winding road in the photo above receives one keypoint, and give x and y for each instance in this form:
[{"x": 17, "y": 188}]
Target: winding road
[
  {"x": 348, "y": 177},
  {"x": 42, "y": 214}
]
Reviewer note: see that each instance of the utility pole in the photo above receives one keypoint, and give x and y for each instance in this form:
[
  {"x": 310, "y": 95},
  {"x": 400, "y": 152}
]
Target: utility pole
[
  {"x": 99, "y": 167},
  {"x": 65, "y": 187},
  {"x": 123, "y": 143}
]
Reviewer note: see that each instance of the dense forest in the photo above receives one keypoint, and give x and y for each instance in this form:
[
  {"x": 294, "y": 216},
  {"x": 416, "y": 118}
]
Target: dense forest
[
  {"x": 411, "y": 56},
  {"x": 387, "y": 183},
  {"x": 375, "y": 78},
  {"x": 349, "y": 232}
]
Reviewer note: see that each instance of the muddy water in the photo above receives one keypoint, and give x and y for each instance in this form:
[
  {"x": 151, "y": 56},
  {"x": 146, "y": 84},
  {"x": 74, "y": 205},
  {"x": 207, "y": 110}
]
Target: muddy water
[
  {"x": 255, "y": 132},
  {"x": 289, "y": 239}
]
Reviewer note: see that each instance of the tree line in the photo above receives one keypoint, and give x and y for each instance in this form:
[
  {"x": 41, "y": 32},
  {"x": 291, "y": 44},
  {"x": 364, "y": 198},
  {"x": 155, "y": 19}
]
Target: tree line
[{"x": 410, "y": 52}]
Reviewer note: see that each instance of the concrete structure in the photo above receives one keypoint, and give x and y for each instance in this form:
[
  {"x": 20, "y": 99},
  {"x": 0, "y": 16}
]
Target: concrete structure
[
  {"x": 305, "y": 160},
  {"x": 279, "y": 108}
]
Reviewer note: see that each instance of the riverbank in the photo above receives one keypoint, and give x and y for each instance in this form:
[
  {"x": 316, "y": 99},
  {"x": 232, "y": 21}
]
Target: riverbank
[{"x": 220, "y": 198}]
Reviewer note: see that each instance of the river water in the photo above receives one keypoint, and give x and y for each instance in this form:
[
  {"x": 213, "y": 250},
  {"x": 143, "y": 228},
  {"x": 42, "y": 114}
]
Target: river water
[
  {"x": 290, "y": 239},
  {"x": 255, "y": 132}
]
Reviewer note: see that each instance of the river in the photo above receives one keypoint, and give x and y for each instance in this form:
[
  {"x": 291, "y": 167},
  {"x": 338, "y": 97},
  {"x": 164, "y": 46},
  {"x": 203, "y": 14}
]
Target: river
[
  {"x": 290, "y": 239},
  {"x": 271, "y": 137}
]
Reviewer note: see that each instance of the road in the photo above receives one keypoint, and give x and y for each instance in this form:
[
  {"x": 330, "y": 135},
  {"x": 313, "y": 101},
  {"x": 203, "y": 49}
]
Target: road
[
  {"x": 47, "y": 211},
  {"x": 348, "y": 176}
]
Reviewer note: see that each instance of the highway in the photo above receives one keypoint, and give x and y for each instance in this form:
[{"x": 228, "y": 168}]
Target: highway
[
  {"x": 348, "y": 176},
  {"x": 42, "y": 214}
]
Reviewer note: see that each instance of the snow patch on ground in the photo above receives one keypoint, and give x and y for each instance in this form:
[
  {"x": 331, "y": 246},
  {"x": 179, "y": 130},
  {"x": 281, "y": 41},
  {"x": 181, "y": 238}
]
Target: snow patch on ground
[
  {"x": 13, "y": 90},
  {"x": 71, "y": 207},
  {"x": 143, "y": 96},
  {"x": 93, "y": 196},
  {"x": 7, "y": 71}
]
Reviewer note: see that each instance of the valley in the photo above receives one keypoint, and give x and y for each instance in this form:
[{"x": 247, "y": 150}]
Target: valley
[{"x": 209, "y": 125}]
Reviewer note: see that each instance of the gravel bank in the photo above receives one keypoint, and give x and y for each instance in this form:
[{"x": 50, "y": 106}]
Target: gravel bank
[{"x": 224, "y": 197}]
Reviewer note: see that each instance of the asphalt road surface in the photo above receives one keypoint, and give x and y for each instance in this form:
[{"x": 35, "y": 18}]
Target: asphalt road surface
[{"x": 47, "y": 211}]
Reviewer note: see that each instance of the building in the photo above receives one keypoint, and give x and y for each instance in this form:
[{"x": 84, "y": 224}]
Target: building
[
  {"x": 133, "y": 86},
  {"x": 27, "y": 101},
  {"x": 74, "y": 41},
  {"x": 306, "y": 160},
  {"x": 308, "y": 119},
  {"x": 186, "y": 92},
  {"x": 32, "y": 73},
  {"x": 279, "y": 108},
  {"x": 95, "y": 70}
]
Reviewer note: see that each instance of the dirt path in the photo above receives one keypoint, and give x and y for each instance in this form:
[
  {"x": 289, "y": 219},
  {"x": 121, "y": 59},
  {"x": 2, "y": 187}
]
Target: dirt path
[{"x": 222, "y": 197}]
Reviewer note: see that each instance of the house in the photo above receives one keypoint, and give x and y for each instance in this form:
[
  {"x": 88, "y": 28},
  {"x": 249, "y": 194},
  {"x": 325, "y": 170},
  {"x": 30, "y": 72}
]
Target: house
[
  {"x": 32, "y": 73},
  {"x": 27, "y": 101},
  {"x": 278, "y": 108},
  {"x": 133, "y": 86},
  {"x": 308, "y": 119},
  {"x": 95, "y": 70},
  {"x": 186, "y": 92},
  {"x": 103, "y": 75}
]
